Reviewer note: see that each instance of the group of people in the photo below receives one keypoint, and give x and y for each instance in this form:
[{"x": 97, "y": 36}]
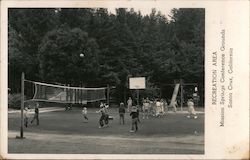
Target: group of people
[
  {"x": 155, "y": 108},
  {"x": 35, "y": 117},
  {"x": 104, "y": 119},
  {"x": 133, "y": 112},
  {"x": 159, "y": 107}
]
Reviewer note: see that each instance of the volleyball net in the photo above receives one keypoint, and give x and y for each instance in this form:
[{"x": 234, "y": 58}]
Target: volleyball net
[{"x": 38, "y": 91}]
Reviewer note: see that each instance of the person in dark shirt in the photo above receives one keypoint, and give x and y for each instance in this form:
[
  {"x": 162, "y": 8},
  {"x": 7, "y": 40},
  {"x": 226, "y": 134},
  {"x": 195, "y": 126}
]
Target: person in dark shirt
[
  {"x": 121, "y": 113},
  {"x": 135, "y": 118},
  {"x": 36, "y": 115}
]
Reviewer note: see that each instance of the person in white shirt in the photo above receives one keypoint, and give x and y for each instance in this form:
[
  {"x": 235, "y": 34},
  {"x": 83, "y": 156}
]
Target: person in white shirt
[
  {"x": 191, "y": 110},
  {"x": 129, "y": 103},
  {"x": 162, "y": 107},
  {"x": 158, "y": 107},
  {"x": 146, "y": 105}
]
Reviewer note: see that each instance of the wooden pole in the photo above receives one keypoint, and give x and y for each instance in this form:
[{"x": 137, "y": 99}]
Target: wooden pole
[
  {"x": 22, "y": 103},
  {"x": 108, "y": 96}
]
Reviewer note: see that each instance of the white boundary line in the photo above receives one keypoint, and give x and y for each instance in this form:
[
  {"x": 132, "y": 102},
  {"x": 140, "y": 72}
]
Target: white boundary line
[{"x": 42, "y": 110}]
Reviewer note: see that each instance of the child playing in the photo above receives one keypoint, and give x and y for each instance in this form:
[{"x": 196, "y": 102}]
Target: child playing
[
  {"x": 135, "y": 118},
  {"x": 191, "y": 110},
  {"x": 84, "y": 113}
]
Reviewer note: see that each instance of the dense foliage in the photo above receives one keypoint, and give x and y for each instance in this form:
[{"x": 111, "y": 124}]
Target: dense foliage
[{"x": 46, "y": 44}]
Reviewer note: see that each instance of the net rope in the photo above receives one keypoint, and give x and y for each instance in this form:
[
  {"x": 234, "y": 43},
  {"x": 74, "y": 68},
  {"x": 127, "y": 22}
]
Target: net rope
[{"x": 66, "y": 94}]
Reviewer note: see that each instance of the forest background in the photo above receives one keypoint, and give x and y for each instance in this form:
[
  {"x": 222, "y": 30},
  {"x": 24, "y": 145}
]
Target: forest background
[{"x": 46, "y": 45}]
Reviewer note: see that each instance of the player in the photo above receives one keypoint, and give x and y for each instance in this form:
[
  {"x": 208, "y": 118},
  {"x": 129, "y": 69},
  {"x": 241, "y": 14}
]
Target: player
[
  {"x": 121, "y": 113},
  {"x": 36, "y": 115},
  {"x": 26, "y": 118},
  {"x": 102, "y": 118},
  {"x": 191, "y": 110},
  {"x": 135, "y": 118},
  {"x": 146, "y": 107},
  {"x": 129, "y": 103},
  {"x": 106, "y": 118},
  {"x": 84, "y": 113},
  {"x": 158, "y": 108},
  {"x": 151, "y": 107}
]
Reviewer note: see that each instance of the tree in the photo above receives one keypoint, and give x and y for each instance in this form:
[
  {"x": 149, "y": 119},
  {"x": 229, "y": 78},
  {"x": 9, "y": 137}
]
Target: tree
[
  {"x": 46, "y": 44},
  {"x": 16, "y": 58},
  {"x": 60, "y": 61},
  {"x": 26, "y": 30}
]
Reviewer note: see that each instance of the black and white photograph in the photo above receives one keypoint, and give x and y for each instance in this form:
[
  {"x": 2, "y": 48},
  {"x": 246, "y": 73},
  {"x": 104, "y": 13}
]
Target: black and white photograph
[
  {"x": 125, "y": 79},
  {"x": 106, "y": 81}
]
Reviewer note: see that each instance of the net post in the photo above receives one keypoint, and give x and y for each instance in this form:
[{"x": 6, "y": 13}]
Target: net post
[
  {"x": 108, "y": 96},
  {"x": 22, "y": 106}
]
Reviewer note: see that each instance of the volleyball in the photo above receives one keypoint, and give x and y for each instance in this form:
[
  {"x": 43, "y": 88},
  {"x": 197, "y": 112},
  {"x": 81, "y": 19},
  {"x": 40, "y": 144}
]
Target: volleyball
[{"x": 81, "y": 55}]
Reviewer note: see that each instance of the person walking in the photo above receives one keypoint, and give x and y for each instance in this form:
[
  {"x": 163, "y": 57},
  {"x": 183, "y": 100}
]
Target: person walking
[
  {"x": 36, "y": 115},
  {"x": 121, "y": 113}
]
